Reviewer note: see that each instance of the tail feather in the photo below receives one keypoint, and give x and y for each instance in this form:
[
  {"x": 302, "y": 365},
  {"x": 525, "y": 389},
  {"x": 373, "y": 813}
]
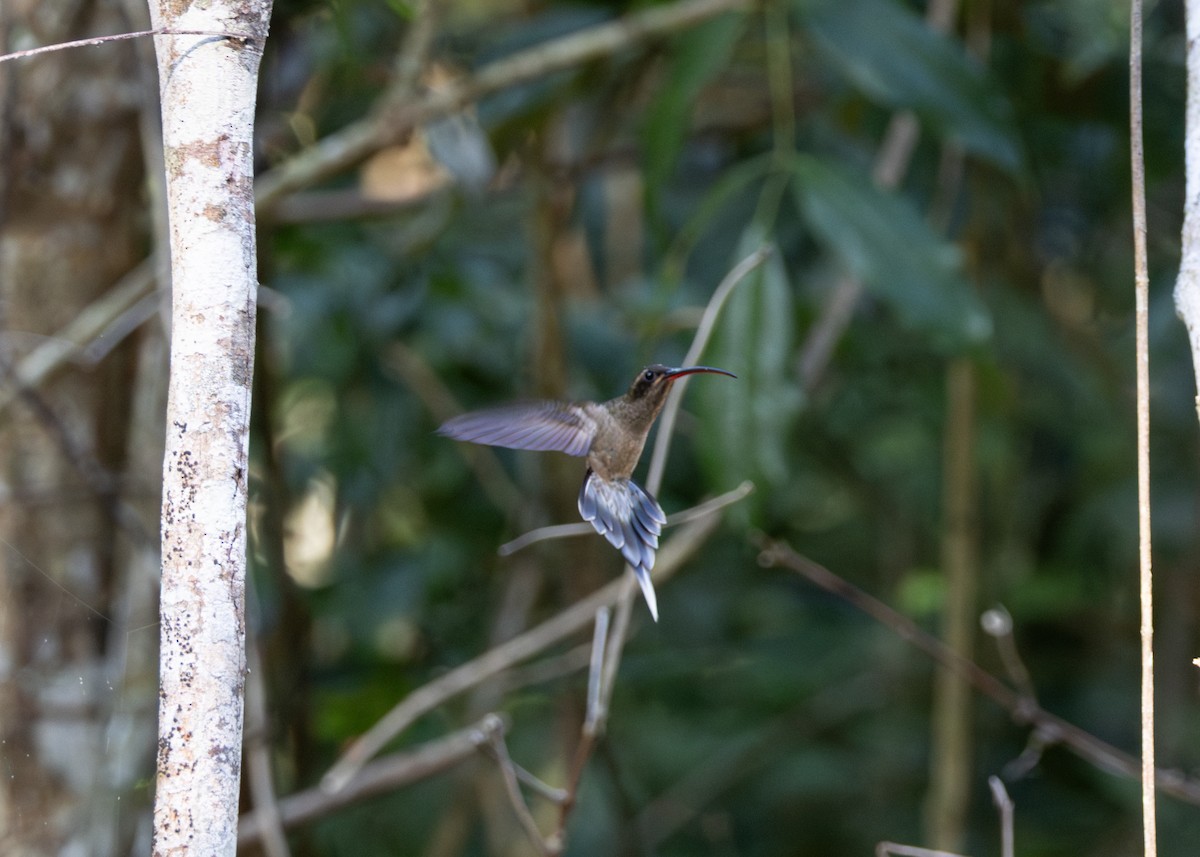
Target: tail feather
[{"x": 631, "y": 520}]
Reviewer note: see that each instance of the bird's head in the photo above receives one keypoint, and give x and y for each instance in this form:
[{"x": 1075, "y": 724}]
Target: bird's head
[{"x": 649, "y": 389}]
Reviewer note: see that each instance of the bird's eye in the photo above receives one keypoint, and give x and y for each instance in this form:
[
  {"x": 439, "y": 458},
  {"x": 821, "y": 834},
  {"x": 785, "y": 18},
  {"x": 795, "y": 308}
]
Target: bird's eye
[{"x": 648, "y": 375}]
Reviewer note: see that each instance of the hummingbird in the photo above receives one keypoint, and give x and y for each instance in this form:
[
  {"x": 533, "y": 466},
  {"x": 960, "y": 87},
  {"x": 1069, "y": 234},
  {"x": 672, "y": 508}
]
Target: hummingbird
[{"x": 611, "y": 435}]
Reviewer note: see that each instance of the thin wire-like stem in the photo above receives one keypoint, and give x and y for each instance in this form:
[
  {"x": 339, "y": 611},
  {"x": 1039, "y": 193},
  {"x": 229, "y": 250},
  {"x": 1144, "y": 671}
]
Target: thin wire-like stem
[
  {"x": 118, "y": 37},
  {"x": 1141, "y": 315}
]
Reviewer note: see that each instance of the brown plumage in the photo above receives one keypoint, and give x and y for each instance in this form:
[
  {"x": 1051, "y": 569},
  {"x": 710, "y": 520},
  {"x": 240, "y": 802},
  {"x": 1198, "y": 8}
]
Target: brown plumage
[{"x": 611, "y": 434}]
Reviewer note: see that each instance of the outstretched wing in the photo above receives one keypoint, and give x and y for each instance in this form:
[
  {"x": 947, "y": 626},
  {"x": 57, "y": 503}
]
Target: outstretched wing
[
  {"x": 631, "y": 520},
  {"x": 527, "y": 425}
]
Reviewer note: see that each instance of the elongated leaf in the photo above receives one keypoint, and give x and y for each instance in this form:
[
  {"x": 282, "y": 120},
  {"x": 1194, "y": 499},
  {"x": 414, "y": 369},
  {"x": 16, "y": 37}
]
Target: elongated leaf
[
  {"x": 892, "y": 56},
  {"x": 885, "y": 242}
]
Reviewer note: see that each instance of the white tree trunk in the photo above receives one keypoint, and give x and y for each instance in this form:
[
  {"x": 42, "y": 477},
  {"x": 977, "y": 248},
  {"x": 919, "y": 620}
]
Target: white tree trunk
[
  {"x": 1187, "y": 287},
  {"x": 208, "y": 85}
]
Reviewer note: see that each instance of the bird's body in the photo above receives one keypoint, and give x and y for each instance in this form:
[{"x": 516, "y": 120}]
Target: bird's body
[{"x": 611, "y": 435}]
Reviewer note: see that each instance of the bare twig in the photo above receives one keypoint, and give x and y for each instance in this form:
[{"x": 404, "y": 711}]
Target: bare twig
[
  {"x": 559, "y": 531},
  {"x": 1141, "y": 314},
  {"x": 516, "y": 650},
  {"x": 596, "y": 669},
  {"x": 119, "y": 37},
  {"x": 1050, "y": 727},
  {"x": 382, "y": 776},
  {"x": 495, "y": 732},
  {"x": 1004, "y": 806},
  {"x": 997, "y": 623}
]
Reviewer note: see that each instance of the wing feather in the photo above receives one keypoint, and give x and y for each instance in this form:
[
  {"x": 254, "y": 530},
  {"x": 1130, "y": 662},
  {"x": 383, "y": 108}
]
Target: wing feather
[{"x": 555, "y": 426}]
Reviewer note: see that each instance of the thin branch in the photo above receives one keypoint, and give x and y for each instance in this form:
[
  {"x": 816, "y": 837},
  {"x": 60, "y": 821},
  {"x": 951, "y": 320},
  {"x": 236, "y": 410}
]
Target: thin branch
[
  {"x": 596, "y": 669},
  {"x": 1023, "y": 710},
  {"x": 494, "y": 728},
  {"x": 1004, "y": 806},
  {"x": 119, "y": 37},
  {"x": 997, "y": 623},
  {"x": 380, "y": 777},
  {"x": 574, "y": 618},
  {"x": 559, "y": 531},
  {"x": 1141, "y": 314}
]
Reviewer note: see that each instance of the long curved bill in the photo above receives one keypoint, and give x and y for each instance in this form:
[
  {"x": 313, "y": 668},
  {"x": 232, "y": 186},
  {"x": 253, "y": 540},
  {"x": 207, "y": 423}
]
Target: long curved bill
[{"x": 696, "y": 370}]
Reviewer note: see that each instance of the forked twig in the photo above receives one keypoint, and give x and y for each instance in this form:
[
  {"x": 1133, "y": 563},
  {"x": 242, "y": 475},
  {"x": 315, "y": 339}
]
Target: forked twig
[
  {"x": 1049, "y": 728},
  {"x": 520, "y": 648}
]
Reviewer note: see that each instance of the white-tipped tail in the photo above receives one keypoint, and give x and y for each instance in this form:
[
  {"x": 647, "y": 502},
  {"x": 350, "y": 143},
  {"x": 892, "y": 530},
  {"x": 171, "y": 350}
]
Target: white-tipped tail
[{"x": 631, "y": 520}]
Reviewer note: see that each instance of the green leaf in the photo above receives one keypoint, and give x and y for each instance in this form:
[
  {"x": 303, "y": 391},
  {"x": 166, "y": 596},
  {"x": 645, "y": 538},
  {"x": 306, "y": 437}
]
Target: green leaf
[
  {"x": 884, "y": 241},
  {"x": 696, "y": 57},
  {"x": 893, "y": 57},
  {"x": 751, "y": 417}
]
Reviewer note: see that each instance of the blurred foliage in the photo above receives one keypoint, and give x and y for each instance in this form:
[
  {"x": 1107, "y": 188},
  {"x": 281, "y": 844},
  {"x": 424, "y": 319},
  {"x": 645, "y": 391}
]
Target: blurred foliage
[{"x": 760, "y": 716}]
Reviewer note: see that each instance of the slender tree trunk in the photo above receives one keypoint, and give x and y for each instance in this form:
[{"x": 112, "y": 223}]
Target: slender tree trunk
[{"x": 208, "y": 86}]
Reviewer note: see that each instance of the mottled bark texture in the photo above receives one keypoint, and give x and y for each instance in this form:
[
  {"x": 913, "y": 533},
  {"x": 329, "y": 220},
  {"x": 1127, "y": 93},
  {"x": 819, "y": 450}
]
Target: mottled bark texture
[{"x": 207, "y": 86}]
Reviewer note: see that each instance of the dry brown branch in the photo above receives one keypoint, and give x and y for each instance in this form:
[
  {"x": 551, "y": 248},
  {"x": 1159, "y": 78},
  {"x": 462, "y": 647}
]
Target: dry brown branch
[
  {"x": 1023, "y": 710},
  {"x": 376, "y": 778},
  {"x": 1141, "y": 315}
]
